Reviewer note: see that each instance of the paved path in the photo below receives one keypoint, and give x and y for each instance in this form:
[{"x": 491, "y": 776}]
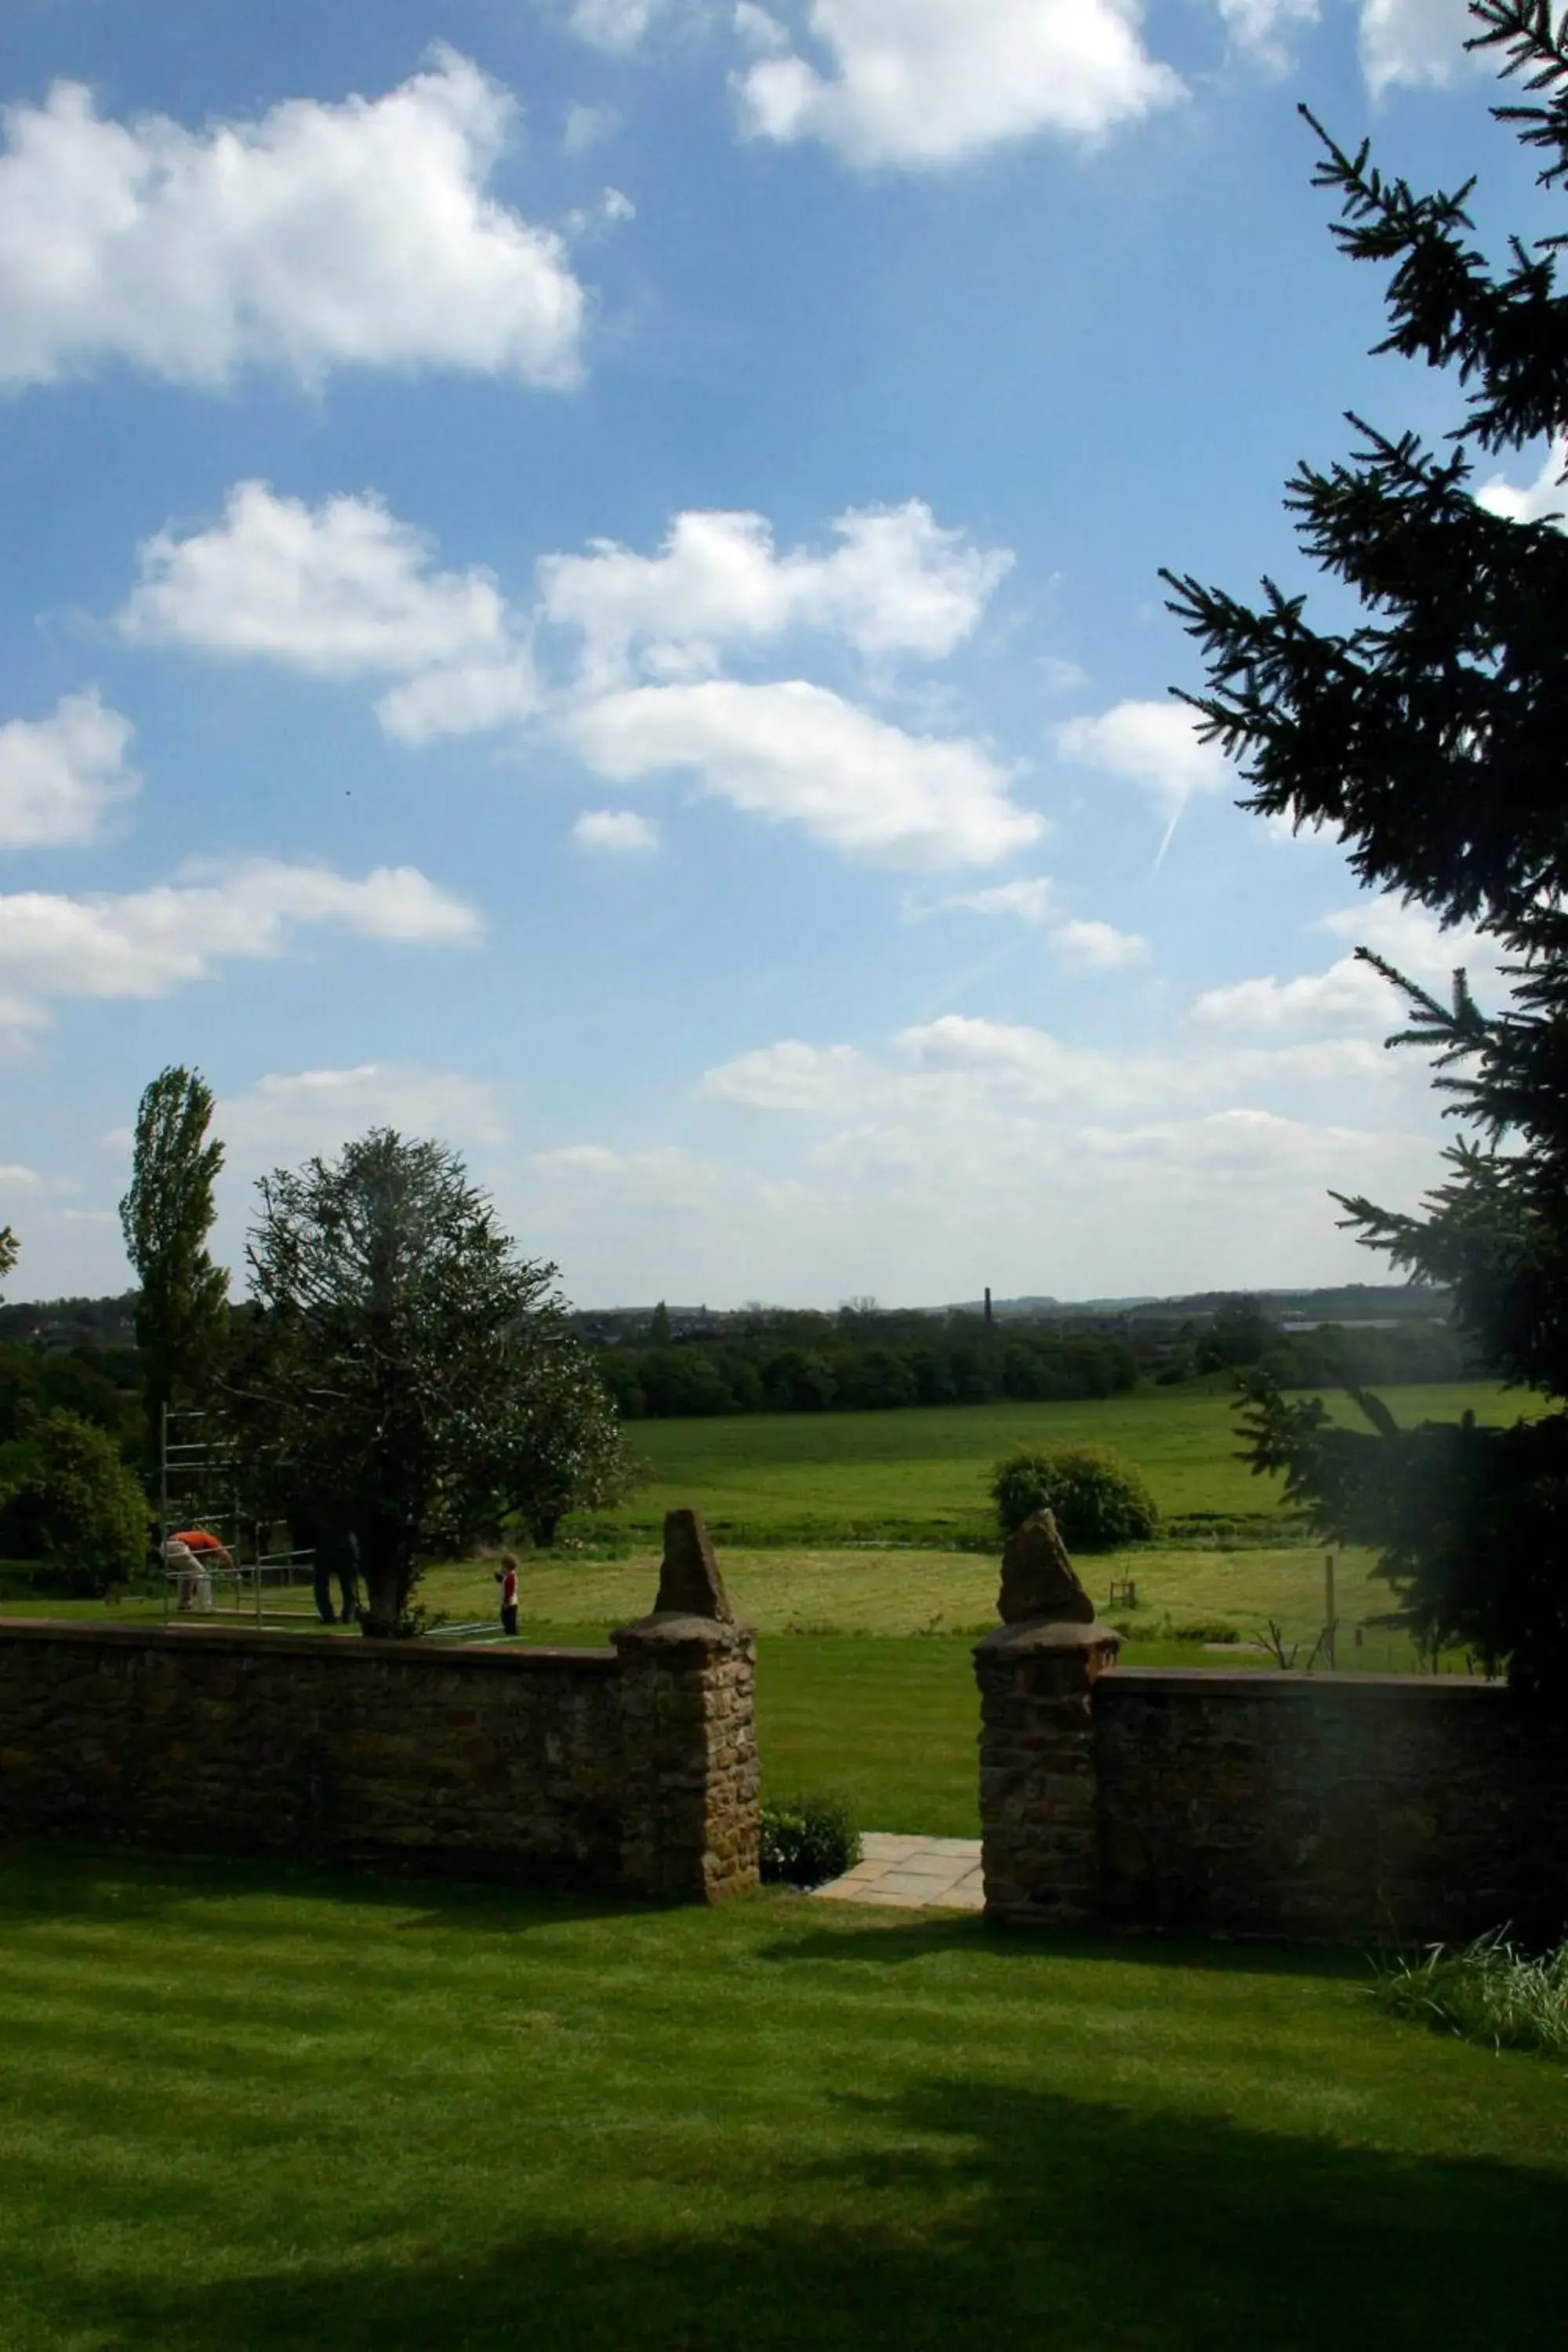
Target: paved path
[{"x": 914, "y": 1873}]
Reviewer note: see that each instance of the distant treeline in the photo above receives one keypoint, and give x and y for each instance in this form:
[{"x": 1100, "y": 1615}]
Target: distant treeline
[{"x": 834, "y": 1370}]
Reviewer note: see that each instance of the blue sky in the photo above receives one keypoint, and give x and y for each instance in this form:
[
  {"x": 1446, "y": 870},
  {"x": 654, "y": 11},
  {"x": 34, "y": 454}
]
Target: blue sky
[{"x": 582, "y": 578}]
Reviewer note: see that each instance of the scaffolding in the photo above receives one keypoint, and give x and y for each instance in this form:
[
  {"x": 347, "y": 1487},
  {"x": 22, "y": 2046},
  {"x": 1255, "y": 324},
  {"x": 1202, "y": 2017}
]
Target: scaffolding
[{"x": 198, "y": 1486}]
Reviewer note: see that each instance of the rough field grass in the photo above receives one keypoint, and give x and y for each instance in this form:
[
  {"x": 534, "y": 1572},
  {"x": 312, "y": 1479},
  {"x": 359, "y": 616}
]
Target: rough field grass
[
  {"x": 251, "y": 2109},
  {"x": 920, "y": 1476}
]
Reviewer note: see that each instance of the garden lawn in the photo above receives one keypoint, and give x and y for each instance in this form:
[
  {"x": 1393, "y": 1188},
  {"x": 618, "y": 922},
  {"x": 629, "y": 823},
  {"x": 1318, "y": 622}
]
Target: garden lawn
[
  {"x": 920, "y": 1476},
  {"x": 252, "y": 2109}
]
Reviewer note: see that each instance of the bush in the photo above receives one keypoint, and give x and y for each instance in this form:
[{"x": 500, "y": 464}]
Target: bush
[
  {"x": 1098, "y": 1500},
  {"x": 808, "y": 1840},
  {"x": 73, "y": 1504},
  {"x": 1202, "y": 1629},
  {"x": 1487, "y": 1991}
]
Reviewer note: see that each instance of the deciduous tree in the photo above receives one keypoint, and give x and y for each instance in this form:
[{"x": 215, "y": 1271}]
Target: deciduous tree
[
  {"x": 181, "y": 1306},
  {"x": 409, "y": 1376}
]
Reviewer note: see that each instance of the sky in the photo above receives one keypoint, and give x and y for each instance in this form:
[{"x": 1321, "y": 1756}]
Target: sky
[{"x": 583, "y": 578}]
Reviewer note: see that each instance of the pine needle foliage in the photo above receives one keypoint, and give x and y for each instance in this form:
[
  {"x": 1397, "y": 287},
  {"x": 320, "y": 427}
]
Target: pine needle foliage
[{"x": 1432, "y": 738}]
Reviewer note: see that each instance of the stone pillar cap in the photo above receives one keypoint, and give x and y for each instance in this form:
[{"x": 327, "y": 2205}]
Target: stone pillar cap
[
  {"x": 689, "y": 1583},
  {"x": 1038, "y": 1580}
]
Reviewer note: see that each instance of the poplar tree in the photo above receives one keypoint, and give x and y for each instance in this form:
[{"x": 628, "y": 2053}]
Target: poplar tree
[
  {"x": 182, "y": 1304},
  {"x": 1432, "y": 737}
]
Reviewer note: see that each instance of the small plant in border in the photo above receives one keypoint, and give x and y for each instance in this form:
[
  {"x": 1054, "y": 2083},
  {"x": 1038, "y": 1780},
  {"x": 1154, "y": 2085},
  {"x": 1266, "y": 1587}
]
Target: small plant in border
[
  {"x": 1486, "y": 1991},
  {"x": 805, "y": 1841}
]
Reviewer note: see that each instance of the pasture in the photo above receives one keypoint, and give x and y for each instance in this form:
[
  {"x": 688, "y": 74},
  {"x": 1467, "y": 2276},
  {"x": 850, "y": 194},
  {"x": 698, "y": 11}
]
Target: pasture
[
  {"x": 248, "y": 2106},
  {"x": 919, "y": 1477}
]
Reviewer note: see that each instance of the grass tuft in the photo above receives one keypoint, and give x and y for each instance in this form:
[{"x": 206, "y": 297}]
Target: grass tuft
[{"x": 1488, "y": 1991}]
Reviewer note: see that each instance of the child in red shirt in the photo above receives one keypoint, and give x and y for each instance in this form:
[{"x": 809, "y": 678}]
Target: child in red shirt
[{"x": 506, "y": 1576}]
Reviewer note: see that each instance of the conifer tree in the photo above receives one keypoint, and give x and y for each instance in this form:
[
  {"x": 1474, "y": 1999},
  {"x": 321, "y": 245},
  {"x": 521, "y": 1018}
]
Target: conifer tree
[{"x": 1432, "y": 737}]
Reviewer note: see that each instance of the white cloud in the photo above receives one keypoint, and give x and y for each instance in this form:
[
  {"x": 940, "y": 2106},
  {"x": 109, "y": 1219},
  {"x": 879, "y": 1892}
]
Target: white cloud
[
  {"x": 1098, "y": 947},
  {"x": 622, "y": 832},
  {"x": 61, "y": 776},
  {"x": 287, "y": 1114},
  {"x": 314, "y": 237},
  {"x": 924, "y": 83},
  {"x": 1032, "y": 898},
  {"x": 340, "y": 589},
  {"x": 1264, "y": 28},
  {"x": 1543, "y": 500},
  {"x": 146, "y": 943},
  {"x": 17, "y": 1178},
  {"x": 897, "y": 582},
  {"x": 585, "y": 126},
  {"x": 795, "y": 754},
  {"x": 1152, "y": 744},
  {"x": 1419, "y": 41},
  {"x": 614, "y": 25},
  {"x": 1351, "y": 995}
]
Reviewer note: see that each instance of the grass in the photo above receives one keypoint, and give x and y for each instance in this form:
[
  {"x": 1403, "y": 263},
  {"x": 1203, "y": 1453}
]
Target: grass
[
  {"x": 252, "y": 2108},
  {"x": 1489, "y": 1992},
  {"x": 919, "y": 1477}
]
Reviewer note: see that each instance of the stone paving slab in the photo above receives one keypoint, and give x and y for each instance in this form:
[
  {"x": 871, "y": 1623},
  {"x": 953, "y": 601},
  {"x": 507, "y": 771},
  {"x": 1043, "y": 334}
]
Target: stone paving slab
[{"x": 912, "y": 1874}]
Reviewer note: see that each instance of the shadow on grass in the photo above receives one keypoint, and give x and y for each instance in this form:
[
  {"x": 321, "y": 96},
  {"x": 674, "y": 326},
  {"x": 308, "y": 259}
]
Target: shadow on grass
[
  {"x": 968, "y": 2215},
  {"x": 120, "y": 1883},
  {"x": 868, "y": 1943}
]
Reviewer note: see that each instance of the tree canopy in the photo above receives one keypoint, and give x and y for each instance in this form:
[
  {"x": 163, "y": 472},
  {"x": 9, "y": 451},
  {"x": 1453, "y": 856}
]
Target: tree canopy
[
  {"x": 408, "y": 1377},
  {"x": 1433, "y": 739}
]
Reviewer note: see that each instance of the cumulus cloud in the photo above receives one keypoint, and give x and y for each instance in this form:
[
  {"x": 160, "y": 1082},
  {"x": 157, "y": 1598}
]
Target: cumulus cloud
[
  {"x": 1098, "y": 947},
  {"x": 1543, "y": 500},
  {"x": 345, "y": 589},
  {"x": 1154, "y": 745},
  {"x": 614, "y": 25},
  {"x": 316, "y": 237},
  {"x": 795, "y": 754},
  {"x": 340, "y": 589},
  {"x": 289, "y": 1114},
  {"x": 61, "y": 776},
  {"x": 897, "y": 582},
  {"x": 1263, "y": 28},
  {"x": 622, "y": 832},
  {"x": 1032, "y": 898},
  {"x": 926, "y": 83},
  {"x": 1350, "y": 994},
  {"x": 145, "y": 943},
  {"x": 1418, "y": 41}
]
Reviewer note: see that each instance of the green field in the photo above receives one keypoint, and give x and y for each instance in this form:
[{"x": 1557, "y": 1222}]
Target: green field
[
  {"x": 920, "y": 1476},
  {"x": 258, "y": 2109}
]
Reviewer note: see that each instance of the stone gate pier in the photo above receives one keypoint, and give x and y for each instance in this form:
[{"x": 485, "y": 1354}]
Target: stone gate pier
[{"x": 1341, "y": 1809}]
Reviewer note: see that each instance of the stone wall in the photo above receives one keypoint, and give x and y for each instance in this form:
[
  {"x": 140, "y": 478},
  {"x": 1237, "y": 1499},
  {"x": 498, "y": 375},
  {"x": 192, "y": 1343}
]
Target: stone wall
[
  {"x": 1322, "y": 1807},
  {"x": 629, "y": 1768},
  {"x": 1333, "y": 1808}
]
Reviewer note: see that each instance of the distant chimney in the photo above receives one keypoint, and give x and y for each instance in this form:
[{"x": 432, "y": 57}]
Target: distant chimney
[{"x": 988, "y": 1317}]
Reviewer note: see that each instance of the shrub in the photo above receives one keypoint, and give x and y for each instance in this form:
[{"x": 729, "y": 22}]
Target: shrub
[
  {"x": 1100, "y": 1501},
  {"x": 1487, "y": 1991},
  {"x": 808, "y": 1840},
  {"x": 1202, "y": 1629},
  {"x": 74, "y": 1506}
]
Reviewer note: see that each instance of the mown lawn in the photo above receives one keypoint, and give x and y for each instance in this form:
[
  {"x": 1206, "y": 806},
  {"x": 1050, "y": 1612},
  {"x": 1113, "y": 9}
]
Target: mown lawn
[
  {"x": 245, "y": 2109},
  {"x": 920, "y": 1476}
]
